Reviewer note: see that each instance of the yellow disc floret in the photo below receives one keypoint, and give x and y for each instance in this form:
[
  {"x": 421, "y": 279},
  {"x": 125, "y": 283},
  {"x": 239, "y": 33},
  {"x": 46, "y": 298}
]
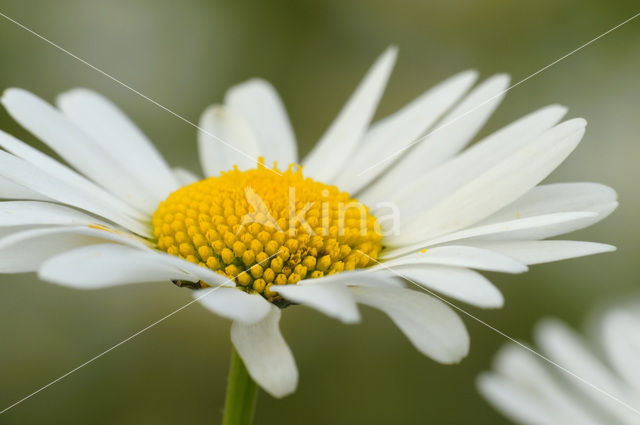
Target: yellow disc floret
[{"x": 264, "y": 227}]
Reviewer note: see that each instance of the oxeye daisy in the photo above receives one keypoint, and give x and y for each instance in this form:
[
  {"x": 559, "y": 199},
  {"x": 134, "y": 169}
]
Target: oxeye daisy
[
  {"x": 600, "y": 383},
  {"x": 371, "y": 207}
]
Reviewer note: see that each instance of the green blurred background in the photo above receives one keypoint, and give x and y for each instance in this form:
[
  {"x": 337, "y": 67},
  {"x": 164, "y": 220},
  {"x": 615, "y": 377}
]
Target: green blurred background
[{"x": 184, "y": 55}]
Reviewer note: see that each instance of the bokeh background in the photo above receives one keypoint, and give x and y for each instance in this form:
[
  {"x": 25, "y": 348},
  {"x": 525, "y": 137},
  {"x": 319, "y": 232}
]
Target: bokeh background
[{"x": 184, "y": 55}]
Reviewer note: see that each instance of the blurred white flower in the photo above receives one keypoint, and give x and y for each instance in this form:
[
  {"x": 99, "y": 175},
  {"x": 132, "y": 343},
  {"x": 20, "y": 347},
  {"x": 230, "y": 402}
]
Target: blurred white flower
[
  {"x": 124, "y": 216},
  {"x": 601, "y": 387}
]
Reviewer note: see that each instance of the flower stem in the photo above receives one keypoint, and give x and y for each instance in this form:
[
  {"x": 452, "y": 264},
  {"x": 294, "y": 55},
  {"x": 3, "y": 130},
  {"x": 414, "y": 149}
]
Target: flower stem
[{"x": 242, "y": 391}]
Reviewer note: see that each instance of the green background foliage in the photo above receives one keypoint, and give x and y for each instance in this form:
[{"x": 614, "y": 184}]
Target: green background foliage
[{"x": 184, "y": 55}]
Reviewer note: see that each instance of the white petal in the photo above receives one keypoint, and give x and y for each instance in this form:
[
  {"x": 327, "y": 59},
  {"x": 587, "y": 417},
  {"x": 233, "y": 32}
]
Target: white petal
[
  {"x": 563, "y": 346},
  {"x": 460, "y": 256},
  {"x": 27, "y": 175},
  {"x": 335, "y": 147},
  {"x": 266, "y": 354},
  {"x": 532, "y": 383},
  {"x": 398, "y": 130},
  {"x": 537, "y": 252},
  {"x": 140, "y": 250},
  {"x": 24, "y": 251},
  {"x": 225, "y": 140},
  {"x": 379, "y": 278},
  {"x": 233, "y": 304},
  {"x": 12, "y": 230},
  {"x": 557, "y": 197},
  {"x": 521, "y": 229},
  {"x": 522, "y": 366},
  {"x": 184, "y": 176},
  {"x": 331, "y": 298},
  {"x": 462, "y": 284},
  {"x": 200, "y": 272},
  {"x": 48, "y": 165},
  {"x": 112, "y": 130},
  {"x": 448, "y": 137},
  {"x": 621, "y": 340},
  {"x": 259, "y": 105},
  {"x": 515, "y": 402},
  {"x": 20, "y": 213},
  {"x": 505, "y": 182},
  {"x": 105, "y": 265},
  {"x": 11, "y": 190},
  {"x": 488, "y": 152},
  {"x": 72, "y": 144},
  {"x": 599, "y": 213},
  {"x": 556, "y": 224},
  {"x": 431, "y": 326}
]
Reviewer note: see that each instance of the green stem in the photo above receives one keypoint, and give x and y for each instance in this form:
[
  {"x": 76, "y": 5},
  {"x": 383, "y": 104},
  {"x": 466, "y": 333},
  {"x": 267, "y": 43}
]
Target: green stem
[{"x": 240, "y": 403}]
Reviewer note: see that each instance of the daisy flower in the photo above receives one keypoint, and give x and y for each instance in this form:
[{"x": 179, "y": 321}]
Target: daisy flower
[
  {"x": 260, "y": 233},
  {"x": 602, "y": 386}
]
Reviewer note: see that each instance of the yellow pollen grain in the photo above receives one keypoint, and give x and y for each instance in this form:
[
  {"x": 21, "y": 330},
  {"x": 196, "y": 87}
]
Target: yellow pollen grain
[{"x": 216, "y": 223}]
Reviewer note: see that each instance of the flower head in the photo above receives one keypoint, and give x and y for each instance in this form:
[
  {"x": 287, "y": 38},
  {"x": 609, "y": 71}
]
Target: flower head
[
  {"x": 371, "y": 208},
  {"x": 263, "y": 227},
  {"x": 600, "y": 383}
]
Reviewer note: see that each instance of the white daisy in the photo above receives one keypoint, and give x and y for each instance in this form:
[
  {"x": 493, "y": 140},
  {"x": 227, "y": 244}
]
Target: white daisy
[
  {"x": 601, "y": 387},
  {"x": 458, "y": 209}
]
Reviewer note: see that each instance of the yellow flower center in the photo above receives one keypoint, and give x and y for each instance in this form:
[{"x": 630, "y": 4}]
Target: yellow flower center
[{"x": 264, "y": 227}]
